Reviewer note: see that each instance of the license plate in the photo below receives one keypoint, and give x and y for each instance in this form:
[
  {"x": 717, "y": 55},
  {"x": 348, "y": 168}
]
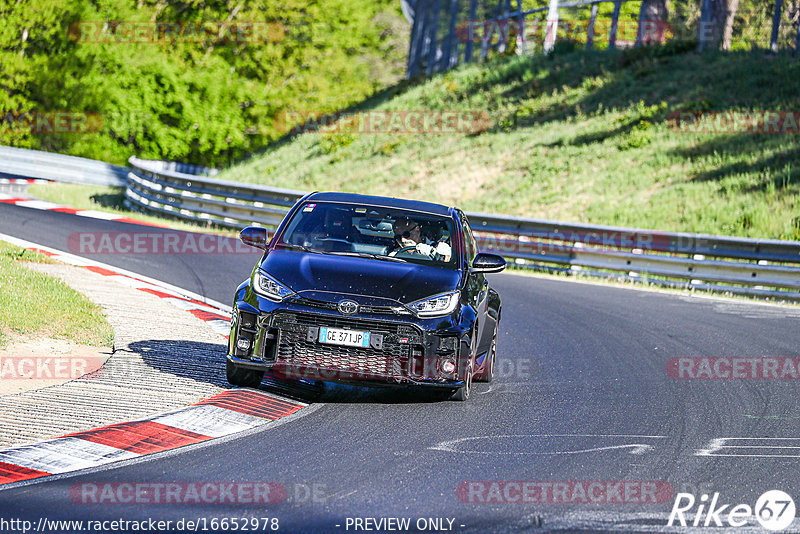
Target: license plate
[{"x": 337, "y": 336}]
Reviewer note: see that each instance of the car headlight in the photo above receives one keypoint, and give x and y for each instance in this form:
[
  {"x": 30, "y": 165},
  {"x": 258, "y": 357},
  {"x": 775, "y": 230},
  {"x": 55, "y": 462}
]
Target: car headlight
[
  {"x": 436, "y": 305},
  {"x": 267, "y": 286}
]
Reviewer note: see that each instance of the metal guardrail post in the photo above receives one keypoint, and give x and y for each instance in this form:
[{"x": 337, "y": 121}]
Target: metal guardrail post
[
  {"x": 433, "y": 50},
  {"x": 551, "y": 30},
  {"x": 521, "y": 28},
  {"x": 504, "y": 28},
  {"x": 473, "y": 6},
  {"x": 412, "y": 66},
  {"x": 640, "y": 29},
  {"x": 612, "y": 33},
  {"x": 452, "y": 42},
  {"x": 776, "y": 26},
  {"x": 590, "y": 29},
  {"x": 704, "y": 26}
]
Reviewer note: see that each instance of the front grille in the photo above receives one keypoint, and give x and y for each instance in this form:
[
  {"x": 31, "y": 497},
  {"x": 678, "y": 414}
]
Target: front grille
[
  {"x": 294, "y": 349},
  {"x": 296, "y": 345},
  {"x": 287, "y": 320},
  {"x": 392, "y": 361},
  {"x": 376, "y": 310}
]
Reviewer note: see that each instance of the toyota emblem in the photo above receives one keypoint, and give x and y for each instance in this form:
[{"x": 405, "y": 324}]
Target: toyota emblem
[{"x": 347, "y": 307}]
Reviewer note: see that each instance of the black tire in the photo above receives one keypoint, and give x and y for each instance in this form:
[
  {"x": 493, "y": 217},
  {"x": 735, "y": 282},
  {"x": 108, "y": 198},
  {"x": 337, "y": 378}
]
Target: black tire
[
  {"x": 488, "y": 374},
  {"x": 239, "y": 376},
  {"x": 463, "y": 393}
]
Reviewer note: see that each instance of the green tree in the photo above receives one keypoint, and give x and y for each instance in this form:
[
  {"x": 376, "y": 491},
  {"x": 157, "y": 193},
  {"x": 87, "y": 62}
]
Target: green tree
[{"x": 204, "y": 101}]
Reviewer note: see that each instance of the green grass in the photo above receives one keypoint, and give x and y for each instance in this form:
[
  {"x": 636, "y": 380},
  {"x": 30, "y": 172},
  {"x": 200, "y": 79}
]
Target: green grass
[
  {"x": 110, "y": 199},
  {"x": 35, "y": 304},
  {"x": 576, "y": 136}
]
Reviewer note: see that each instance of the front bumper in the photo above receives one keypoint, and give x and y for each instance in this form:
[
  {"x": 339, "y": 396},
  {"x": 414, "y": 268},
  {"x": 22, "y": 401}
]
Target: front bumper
[{"x": 401, "y": 352}]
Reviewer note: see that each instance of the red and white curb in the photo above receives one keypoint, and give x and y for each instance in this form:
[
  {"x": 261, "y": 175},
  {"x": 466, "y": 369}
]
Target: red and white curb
[
  {"x": 50, "y": 206},
  {"x": 216, "y": 314},
  {"x": 22, "y": 181},
  {"x": 224, "y": 414}
]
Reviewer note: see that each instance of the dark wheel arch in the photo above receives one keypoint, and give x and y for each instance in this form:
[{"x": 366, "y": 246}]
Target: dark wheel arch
[{"x": 239, "y": 376}]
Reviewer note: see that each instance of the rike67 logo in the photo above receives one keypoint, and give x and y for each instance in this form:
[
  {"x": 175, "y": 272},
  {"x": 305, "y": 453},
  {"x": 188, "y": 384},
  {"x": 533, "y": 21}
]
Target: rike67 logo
[{"x": 774, "y": 510}]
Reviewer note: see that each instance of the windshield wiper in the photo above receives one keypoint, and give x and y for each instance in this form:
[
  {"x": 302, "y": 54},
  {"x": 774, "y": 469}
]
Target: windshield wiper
[
  {"x": 369, "y": 255},
  {"x": 295, "y": 247},
  {"x": 304, "y": 248}
]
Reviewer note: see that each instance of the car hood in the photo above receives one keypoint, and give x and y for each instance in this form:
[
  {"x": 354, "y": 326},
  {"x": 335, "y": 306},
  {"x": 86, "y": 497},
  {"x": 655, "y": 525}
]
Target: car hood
[{"x": 318, "y": 274}]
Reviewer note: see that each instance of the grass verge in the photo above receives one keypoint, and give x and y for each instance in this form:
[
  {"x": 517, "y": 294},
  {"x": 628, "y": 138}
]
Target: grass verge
[{"x": 35, "y": 304}]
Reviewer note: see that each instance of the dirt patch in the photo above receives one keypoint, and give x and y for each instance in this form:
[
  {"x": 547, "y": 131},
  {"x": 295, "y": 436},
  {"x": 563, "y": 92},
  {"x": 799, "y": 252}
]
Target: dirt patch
[
  {"x": 31, "y": 364},
  {"x": 157, "y": 366},
  {"x": 455, "y": 187}
]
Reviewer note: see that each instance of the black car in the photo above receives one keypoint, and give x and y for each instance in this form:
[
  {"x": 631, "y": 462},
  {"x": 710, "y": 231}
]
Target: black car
[{"x": 367, "y": 290}]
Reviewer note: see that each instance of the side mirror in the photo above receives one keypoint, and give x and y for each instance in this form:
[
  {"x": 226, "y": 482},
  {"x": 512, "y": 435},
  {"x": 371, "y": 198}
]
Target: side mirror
[
  {"x": 488, "y": 263},
  {"x": 254, "y": 236}
]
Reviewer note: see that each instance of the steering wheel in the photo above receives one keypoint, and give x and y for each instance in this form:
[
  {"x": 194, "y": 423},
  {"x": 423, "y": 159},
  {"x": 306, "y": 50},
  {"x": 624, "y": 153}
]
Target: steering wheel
[{"x": 402, "y": 249}]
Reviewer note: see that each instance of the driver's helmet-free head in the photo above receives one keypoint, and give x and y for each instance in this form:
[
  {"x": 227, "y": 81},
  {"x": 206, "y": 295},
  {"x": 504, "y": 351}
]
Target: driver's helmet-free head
[{"x": 406, "y": 228}]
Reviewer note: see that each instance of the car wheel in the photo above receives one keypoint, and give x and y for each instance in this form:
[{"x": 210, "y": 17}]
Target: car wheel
[
  {"x": 463, "y": 393},
  {"x": 488, "y": 368},
  {"x": 238, "y": 376}
]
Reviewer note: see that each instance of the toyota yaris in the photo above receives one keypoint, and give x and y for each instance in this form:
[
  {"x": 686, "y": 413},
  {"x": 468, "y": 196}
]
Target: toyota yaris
[{"x": 367, "y": 290}]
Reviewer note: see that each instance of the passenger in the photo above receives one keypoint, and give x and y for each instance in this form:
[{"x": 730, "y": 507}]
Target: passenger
[
  {"x": 408, "y": 233},
  {"x": 436, "y": 235}
]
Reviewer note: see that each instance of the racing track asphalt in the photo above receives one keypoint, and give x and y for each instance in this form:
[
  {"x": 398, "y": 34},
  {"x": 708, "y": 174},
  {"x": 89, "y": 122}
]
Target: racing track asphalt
[{"x": 583, "y": 396}]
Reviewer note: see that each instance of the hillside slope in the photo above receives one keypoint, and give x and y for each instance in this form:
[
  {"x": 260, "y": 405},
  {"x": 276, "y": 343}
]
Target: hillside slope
[{"x": 577, "y": 136}]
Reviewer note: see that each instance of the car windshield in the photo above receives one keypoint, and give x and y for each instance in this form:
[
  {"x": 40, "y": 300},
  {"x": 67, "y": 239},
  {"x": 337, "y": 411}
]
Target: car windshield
[{"x": 372, "y": 232}]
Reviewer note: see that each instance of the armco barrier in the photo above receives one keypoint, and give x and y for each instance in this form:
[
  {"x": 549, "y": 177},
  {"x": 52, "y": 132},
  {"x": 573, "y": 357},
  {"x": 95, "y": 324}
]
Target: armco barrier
[
  {"x": 757, "y": 267},
  {"x": 154, "y": 186},
  {"x": 23, "y": 163}
]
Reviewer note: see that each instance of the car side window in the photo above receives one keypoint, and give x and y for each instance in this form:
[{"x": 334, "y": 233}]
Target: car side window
[{"x": 469, "y": 240}]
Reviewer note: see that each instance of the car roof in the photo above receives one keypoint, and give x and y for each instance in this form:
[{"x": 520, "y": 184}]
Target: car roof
[{"x": 385, "y": 202}]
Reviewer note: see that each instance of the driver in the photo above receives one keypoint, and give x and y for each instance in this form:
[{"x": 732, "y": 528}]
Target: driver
[{"x": 408, "y": 233}]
